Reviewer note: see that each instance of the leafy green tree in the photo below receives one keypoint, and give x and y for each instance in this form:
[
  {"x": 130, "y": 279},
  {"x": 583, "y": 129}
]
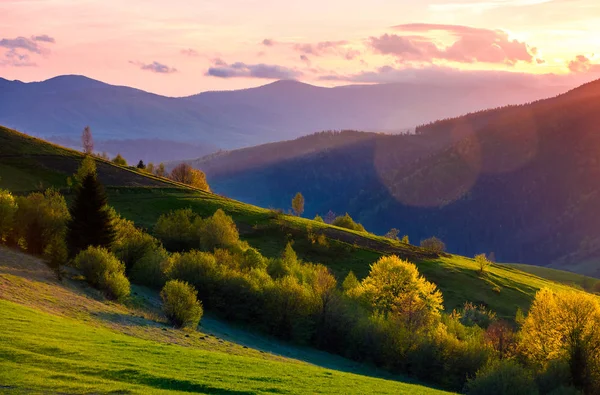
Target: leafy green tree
[
  {"x": 180, "y": 304},
  {"x": 298, "y": 204},
  {"x": 395, "y": 287},
  {"x": 150, "y": 168},
  {"x": 176, "y": 230},
  {"x": 350, "y": 282},
  {"x": 91, "y": 222},
  {"x": 119, "y": 160},
  {"x": 160, "y": 170}
]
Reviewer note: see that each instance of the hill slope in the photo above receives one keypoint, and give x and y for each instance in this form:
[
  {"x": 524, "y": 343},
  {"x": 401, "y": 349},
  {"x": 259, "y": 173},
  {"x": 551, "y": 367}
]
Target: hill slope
[
  {"x": 60, "y": 107},
  {"x": 504, "y": 290},
  {"x": 517, "y": 181},
  {"x": 67, "y": 338}
]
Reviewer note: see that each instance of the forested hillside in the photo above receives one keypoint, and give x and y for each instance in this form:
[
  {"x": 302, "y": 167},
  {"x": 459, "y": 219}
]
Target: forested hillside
[{"x": 518, "y": 181}]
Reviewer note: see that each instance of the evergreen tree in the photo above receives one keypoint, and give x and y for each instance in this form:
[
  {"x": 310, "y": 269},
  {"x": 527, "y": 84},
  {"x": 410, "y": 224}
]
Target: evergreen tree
[
  {"x": 141, "y": 165},
  {"x": 91, "y": 221}
]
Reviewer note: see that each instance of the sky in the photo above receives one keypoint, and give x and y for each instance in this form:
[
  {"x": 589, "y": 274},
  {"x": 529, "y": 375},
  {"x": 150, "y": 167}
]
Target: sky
[{"x": 179, "y": 47}]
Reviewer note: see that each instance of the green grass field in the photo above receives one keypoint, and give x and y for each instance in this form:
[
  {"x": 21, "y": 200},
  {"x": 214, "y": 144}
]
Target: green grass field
[{"x": 65, "y": 338}]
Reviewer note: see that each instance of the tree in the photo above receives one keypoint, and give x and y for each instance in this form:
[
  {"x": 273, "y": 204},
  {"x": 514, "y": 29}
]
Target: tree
[
  {"x": 329, "y": 217},
  {"x": 392, "y": 234},
  {"x": 87, "y": 141},
  {"x": 395, "y": 288},
  {"x": 318, "y": 218},
  {"x": 150, "y": 168},
  {"x": 482, "y": 262},
  {"x": 119, "y": 160},
  {"x": 160, "y": 170},
  {"x": 91, "y": 222},
  {"x": 433, "y": 244},
  {"x": 564, "y": 325},
  {"x": 298, "y": 204},
  {"x": 346, "y": 221},
  {"x": 87, "y": 166},
  {"x": 141, "y": 165},
  {"x": 218, "y": 231},
  {"x": 186, "y": 174}
]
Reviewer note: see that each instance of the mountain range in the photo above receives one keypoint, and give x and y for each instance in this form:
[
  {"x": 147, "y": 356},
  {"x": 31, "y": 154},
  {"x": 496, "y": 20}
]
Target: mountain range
[
  {"x": 519, "y": 181},
  {"x": 155, "y": 126}
]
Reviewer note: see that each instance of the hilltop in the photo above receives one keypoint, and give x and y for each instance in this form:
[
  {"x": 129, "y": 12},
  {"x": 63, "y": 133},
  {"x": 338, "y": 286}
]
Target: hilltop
[{"x": 517, "y": 181}]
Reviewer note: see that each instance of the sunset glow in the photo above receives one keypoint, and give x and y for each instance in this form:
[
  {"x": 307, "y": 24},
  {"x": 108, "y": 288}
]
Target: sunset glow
[{"x": 183, "y": 47}]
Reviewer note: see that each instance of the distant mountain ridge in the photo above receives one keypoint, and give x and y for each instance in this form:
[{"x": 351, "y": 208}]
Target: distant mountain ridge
[
  {"x": 62, "y": 106},
  {"x": 519, "y": 181}
]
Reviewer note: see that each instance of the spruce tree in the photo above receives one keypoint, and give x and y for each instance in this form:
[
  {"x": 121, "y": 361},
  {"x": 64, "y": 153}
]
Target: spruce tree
[{"x": 91, "y": 221}]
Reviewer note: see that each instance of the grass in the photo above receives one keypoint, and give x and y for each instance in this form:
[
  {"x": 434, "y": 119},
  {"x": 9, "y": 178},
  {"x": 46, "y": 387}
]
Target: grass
[
  {"x": 24, "y": 163},
  {"x": 64, "y": 338},
  {"x": 559, "y": 276}
]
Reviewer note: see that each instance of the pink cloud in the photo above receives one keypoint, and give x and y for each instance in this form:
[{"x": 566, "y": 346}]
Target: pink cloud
[
  {"x": 471, "y": 45},
  {"x": 582, "y": 64}
]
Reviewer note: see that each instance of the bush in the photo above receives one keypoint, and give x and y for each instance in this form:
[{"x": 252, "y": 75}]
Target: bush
[
  {"x": 150, "y": 268},
  {"x": 131, "y": 244},
  {"x": 180, "y": 304},
  {"x": 104, "y": 271},
  {"x": 115, "y": 285},
  {"x": 472, "y": 315},
  {"x": 8, "y": 208},
  {"x": 198, "y": 268},
  {"x": 176, "y": 230},
  {"x": 39, "y": 219},
  {"x": 433, "y": 244},
  {"x": 218, "y": 231},
  {"x": 186, "y": 174},
  {"x": 347, "y": 222},
  {"x": 253, "y": 260},
  {"x": 502, "y": 377},
  {"x": 57, "y": 254}
]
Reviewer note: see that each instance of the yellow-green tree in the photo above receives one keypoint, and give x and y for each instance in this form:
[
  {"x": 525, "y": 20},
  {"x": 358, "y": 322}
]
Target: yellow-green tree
[
  {"x": 565, "y": 325},
  {"x": 87, "y": 166},
  {"x": 395, "y": 287},
  {"x": 8, "y": 208},
  {"x": 298, "y": 204},
  {"x": 186, "y": 174}
]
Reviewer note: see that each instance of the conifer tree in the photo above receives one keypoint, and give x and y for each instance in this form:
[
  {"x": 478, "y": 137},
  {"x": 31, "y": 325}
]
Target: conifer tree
[{"x": 91, "y": 221}]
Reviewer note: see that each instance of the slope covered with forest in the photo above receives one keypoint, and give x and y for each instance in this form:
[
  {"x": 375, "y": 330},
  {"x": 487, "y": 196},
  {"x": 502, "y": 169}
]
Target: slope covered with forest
[{"x": 518, "y": 181}]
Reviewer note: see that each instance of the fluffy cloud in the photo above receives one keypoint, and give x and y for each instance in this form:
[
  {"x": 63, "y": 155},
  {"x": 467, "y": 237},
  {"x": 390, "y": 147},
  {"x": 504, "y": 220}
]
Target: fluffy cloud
[
  {"x": 583, "y": 64},
  {"x": 267, "y": 42},
  {"x": 471, "y": 45},
  {"x": 243, "y": 70},
  {"x": 155, "y": 67},
  {"x": 20, "y": 49}
]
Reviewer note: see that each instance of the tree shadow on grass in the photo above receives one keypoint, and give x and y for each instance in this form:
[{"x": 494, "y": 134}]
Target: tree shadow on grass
[{"x": 133, "y": 376}]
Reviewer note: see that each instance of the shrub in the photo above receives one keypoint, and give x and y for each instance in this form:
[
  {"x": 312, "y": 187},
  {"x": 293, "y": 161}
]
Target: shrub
[
  {"x": 198, "y": 268},
  {"x": 131, "y": 243},
  {"x": 502, "y": 377},
  {"x": 119, "y": 160},
  {"x": 40, "y": 218},
  {"x": 150, "y": 268},
  {"x": 347, "y": 222},
  {"x": 472, "y": 315},
  {"x": 433, "y": 244},
  {"x": 115, "y": 285},
  {"x": 176, "y": 230},
  {"x": 318, "y": 218},
  {"x": 218, "y": 231},
  {"x": 253, "y": 260},
  {"x": 103, "y": 270},
  {"x": 8, "y": 208},
  {"x": 57, "y": 254},
  {"x": 180, "y": 304}
]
